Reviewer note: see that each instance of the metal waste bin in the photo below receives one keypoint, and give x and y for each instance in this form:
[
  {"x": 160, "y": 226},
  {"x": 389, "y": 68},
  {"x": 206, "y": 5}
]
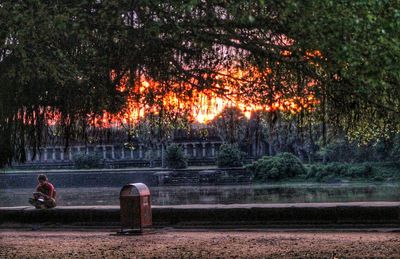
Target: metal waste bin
[{"x": 135, "y": 207}]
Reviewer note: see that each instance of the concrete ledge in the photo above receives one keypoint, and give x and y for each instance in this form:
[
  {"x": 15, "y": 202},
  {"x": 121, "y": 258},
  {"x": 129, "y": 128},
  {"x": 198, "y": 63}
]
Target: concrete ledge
[
  {"x": 113, "y": 177},
  {"x": 353, "y": 214}
]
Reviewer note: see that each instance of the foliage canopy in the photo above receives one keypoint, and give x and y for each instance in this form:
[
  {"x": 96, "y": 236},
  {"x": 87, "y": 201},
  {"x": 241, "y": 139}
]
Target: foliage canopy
[{"x": 66, "y": 58}]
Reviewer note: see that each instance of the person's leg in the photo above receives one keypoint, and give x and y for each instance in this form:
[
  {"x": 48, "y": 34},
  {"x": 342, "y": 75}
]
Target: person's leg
[
  {"x": 51, "y": 203},
  {"x": 36, "y": 203}
]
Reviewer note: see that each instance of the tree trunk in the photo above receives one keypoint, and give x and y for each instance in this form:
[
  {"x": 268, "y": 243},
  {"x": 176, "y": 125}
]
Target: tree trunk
[{"x": 162, "y": 155}]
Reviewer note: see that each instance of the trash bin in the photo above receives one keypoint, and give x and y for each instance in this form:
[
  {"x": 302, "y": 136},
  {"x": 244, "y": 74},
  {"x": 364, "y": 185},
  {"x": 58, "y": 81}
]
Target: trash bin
[{"x": 135, "y": 207}]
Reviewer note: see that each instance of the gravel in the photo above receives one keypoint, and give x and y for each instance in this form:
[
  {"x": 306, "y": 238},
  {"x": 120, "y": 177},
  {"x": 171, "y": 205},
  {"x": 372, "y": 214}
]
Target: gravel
[{"x": 170, "y": 243}]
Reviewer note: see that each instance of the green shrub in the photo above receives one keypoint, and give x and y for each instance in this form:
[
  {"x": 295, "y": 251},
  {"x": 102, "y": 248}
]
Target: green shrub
[
  {"x": 175, "y": 158},
  {"x": 151, "y": 156},
  {"x": 359, "y": 171},
  {"x": 314, "y": 171},
  {"x": 336, "y": 169},
  {"x": 281, "y": 166},
  {"x": 395, "y": 152},
  {"x": 86, "y": 161},
  {"x": 378, "y": 178},
  {"x": 321, "y": 172},
  {"x": 229, "y": 155},
  {"x": 321, "y": 175}
]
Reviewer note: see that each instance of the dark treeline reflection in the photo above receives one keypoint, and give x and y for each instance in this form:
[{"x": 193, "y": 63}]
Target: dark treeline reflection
[{"x": 218, "y": 194}]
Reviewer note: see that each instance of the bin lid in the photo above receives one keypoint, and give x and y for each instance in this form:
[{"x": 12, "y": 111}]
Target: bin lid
[{"x": 134, "y": 189}]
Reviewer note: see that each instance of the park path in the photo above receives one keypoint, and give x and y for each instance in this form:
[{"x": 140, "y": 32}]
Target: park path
[{"x": 170, "y": 243}]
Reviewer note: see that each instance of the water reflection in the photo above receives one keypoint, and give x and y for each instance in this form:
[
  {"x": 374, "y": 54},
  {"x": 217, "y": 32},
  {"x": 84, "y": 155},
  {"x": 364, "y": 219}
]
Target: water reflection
[{"x": 219, "y": 194}]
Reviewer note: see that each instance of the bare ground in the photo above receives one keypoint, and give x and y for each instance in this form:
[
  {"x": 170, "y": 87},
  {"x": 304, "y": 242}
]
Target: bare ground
[{"x": 199, "y": 244}]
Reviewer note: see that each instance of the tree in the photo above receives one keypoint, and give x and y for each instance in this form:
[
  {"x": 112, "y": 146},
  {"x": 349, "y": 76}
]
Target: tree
[
  {"x": 231, "y": 125},
  {"x": 55, "y": 61},
  {"x": 159, "y": 120},
  {"x": 359, "y": 42},
  {"x": 68, "y": 58},
  {"x": 175, "y": 158},
  {"x": 229, "y": 155}
]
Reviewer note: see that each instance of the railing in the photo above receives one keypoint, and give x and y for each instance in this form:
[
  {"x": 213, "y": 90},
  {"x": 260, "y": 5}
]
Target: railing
[{"x": 57, "y": 154}]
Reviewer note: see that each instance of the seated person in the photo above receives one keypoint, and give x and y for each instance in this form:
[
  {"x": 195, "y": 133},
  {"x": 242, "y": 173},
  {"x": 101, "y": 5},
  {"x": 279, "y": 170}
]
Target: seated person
[{"x": 44, "y": 197}]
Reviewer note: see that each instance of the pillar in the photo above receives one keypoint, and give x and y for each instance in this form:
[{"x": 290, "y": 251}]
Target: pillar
[
  {"x": 37, "y": 158},
  {"x": 104, "y": 152},
  {"x": 122, "y": 153},
  {"x": 28, "y": 155},
  {"x": 194, "y": 150},
  {"x": 158, "y": 151},
  {"x": 140, "y": 151}
]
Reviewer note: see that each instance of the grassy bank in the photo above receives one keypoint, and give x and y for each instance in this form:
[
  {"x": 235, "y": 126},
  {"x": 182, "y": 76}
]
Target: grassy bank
[
  {"x": 368, "y": 171},
  {"x": 286, "y": 167}
]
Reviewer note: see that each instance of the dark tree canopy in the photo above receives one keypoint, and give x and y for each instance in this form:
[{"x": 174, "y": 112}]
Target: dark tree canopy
[{"x": 66, "y": 58}]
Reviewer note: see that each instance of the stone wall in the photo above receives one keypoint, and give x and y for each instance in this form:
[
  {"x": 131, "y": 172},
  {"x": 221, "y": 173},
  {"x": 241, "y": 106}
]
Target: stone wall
[
  {"x": 120, "y": 177},
  {"x": 311, "y": 215}
]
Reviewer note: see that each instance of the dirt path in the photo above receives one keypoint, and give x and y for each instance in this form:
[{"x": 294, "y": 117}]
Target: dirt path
[{"x": 198, "y": 244}]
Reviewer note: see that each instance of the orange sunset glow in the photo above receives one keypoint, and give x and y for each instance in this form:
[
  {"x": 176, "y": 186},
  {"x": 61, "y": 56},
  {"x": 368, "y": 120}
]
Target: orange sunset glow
[{"x": 199, "y": 106}]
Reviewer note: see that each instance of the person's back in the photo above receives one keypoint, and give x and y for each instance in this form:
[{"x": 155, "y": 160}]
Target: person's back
[{"x": 45, "y": 194}]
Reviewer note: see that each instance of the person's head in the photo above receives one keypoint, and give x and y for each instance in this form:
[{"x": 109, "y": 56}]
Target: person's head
[{"x": 42, "y": 178}]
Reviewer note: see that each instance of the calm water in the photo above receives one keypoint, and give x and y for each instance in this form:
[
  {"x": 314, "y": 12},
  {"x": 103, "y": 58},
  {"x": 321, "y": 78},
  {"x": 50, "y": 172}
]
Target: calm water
[{"x": 220, "y": 194}]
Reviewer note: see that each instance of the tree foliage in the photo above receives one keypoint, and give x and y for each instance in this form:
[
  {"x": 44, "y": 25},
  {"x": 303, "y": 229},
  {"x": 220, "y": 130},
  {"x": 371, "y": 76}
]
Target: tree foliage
[
  {"x": 229, "y": 155},
  {"x": 281, "y": 166},
  {"x": 175, "y": 158},
  {"x": 87, "y": 161},
  {"x": 231, "y": 125},
  {"x": 55, "y": 60},
  {"x": 359, "y": 41},
  {"x": 65, "y": 59}
]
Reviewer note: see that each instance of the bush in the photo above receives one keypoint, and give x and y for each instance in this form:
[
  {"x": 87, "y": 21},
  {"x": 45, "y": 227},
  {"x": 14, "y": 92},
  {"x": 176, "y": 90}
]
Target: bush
[
  {"x": 336, "y": 169},
  {"x": 87, "y": 161},
  {"x": 151, "y": 155},
  {"x": 339, "y": 170},
  {"x": 359, "y": 171},
  {"x": 314, "y": 171},
  {"x": 281, "y": 166},
  {"x": 175, "y": 158},
  {"x": 229, "y": 156},
  {"x": 395, "y": 152},
  {"x": 378, "y": 178}
]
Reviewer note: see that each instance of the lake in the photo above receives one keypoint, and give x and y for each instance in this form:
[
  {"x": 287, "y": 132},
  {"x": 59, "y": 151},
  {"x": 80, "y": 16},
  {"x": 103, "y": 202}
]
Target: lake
[{"x": 176, "y": 195}]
